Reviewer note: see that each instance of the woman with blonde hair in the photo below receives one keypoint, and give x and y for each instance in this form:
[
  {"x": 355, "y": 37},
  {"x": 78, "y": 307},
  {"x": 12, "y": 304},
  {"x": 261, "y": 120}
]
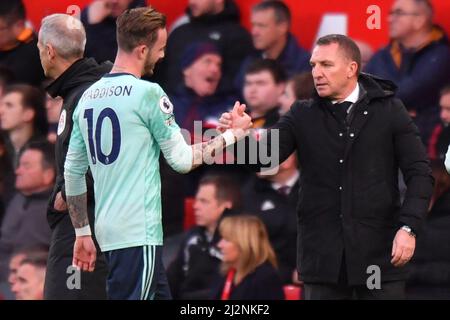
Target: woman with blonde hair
[{"x": 249, "y": 262}]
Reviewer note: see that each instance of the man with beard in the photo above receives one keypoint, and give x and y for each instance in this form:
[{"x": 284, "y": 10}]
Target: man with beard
[
  {"x": 121, "y": 125},
  {"x": 61, "y": 46}
]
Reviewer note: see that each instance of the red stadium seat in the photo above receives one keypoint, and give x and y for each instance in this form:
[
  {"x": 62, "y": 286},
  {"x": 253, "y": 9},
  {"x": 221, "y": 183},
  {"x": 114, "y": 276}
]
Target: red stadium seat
[
  {"x": 189, "y": 218},
  {"x": 292, "y": 292}
]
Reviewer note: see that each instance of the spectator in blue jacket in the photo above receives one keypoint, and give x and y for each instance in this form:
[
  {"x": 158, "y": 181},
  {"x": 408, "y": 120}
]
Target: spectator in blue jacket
[
  {"x": 271, "y": 22},
  {"x": 417, "y": 59},
  {"x": 196, "y": 98}
]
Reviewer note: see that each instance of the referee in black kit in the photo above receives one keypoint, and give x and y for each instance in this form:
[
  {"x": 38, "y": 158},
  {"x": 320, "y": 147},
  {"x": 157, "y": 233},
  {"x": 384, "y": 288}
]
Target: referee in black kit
[{"x": 61, "y": 43}]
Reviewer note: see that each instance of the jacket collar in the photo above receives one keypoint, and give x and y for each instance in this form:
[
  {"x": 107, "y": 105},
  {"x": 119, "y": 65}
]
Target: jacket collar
[
  {"x": 371, "y": 87},
  {"x": 82, "y": 71}
]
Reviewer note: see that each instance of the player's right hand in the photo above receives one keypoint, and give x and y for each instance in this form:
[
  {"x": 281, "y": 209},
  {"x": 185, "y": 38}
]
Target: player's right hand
[
  {"x": 236, "y": 118},
  {"x": 84, "y": 253},
  {"x": 98, "y": 11},
  {"x": 225, "y": 122}
]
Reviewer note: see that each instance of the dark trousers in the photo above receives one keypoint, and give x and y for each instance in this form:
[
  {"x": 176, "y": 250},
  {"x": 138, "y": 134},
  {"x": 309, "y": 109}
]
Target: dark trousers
[
  {"x": 59, "y": 274},
  {"x": 389, "y": 291},
  {"x": 393, "y": 290},
  {"x": 137, "y": 273}
]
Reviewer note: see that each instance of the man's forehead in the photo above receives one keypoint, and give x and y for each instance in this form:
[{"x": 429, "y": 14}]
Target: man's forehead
[
  {"x": 404, "y": 4},
  {"x": 31, "y": 155},
  {"x": 262, "y": 74},
  {"x": 266, "y": 13},
  {"x": 328, "y": 52}
]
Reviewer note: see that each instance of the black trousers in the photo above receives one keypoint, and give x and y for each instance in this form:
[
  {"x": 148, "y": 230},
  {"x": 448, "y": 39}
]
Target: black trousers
[
  {"x": 59, "y": 278},
  {"x": 393, "y": 290}
]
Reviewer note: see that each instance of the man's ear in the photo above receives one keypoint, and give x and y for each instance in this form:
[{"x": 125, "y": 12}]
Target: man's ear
[
  {"x": 49, "y": 176},
  {"x": 227, "y": 204},
  {"x": 280, "y": 88},
  {"x": 141, "y": 52},
  {"x": 18, "y": 27},
  {"x": 283, "y": 27},
  {"x": 28, "y": 114},
  {"x": 51, "y": 52},
  {"x": 352, "y": 69},
  {"x": 420, "y": 22}
]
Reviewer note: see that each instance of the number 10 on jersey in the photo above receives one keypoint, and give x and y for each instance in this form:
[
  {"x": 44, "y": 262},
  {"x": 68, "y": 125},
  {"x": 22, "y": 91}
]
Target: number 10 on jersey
[{"x": 95, "y": 137}]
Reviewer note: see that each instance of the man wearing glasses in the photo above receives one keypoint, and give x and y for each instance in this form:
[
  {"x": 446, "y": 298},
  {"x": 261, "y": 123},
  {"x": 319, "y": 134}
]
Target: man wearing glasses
[{"x": 417, "y": 59}]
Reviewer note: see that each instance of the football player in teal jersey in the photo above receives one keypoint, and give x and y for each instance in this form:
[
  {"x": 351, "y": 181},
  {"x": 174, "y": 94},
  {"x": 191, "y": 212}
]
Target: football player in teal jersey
[{"x": 120, "y": 126}]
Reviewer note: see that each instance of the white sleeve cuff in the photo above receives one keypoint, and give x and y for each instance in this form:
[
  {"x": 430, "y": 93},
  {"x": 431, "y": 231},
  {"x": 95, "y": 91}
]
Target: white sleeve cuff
[
  {"x": 229, "y": 138},
  {"x": 84, "y": 231}
]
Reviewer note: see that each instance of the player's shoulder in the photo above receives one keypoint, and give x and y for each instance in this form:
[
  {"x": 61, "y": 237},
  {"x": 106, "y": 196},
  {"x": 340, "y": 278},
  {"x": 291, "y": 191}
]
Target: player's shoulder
[{"x": 152, "y": 88}]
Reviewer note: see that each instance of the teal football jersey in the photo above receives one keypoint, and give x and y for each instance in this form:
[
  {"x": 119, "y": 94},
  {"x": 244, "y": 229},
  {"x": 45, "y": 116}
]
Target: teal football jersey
[{"x": 120, "y": 124}]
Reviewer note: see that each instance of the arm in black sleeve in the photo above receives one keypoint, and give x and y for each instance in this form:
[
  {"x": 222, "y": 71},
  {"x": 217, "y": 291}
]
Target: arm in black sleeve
[
  {"x": 273, "y": 147},
  {"x": 175, "y": 275},
  {"x": 411, "y": 156}
]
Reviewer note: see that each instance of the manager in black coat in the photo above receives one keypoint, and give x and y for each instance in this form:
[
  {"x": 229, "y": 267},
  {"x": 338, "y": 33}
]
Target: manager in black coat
[
  {"x": 61, "y": 48},
  {"x": 349, "y": 214}
]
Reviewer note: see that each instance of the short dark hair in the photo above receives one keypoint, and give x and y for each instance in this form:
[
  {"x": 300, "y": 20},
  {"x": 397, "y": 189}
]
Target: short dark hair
[
  {"x": 38, "y": 260},
  {"x": 303, "y": 85},
  {"x": 445, "y": 90},
  {"x": 270, "y": 65},
  {"x": 347, "y": 45},
  {"x": 281, "y": 10},
  {"x": 226, "y": 188},
  {"x": 47, "y": 150},
  {"x": 12, "y": 10},
  {"x": 139, "y": 26},
  {"x": 34, "y": 99},
  {"x": 31, "y": 253},
  {"x": 6, "y": 76}
]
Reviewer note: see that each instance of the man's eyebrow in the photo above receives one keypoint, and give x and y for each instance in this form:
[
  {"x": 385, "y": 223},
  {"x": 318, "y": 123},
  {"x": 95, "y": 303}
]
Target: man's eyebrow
[{"x": 321, "y": 61}]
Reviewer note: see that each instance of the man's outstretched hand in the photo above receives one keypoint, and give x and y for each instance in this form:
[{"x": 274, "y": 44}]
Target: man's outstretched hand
[
  {"x": 84, "y": 253},
  {"x": 236, "y": 119}
]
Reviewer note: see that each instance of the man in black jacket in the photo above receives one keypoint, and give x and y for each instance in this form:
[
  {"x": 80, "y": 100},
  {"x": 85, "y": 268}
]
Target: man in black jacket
[
  {"x": 197, "y": 264},
  {"x": 355, "y": 237},
  {"x": 61, "y": 47},
  {"x": 211, "y": 20},
  {"x": 99, "y": 19},
  {"x": 18, "y": 52}
]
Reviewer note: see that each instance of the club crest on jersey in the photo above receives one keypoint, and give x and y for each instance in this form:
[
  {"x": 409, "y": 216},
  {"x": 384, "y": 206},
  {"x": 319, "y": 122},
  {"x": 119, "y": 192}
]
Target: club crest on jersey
[
  {"x": 62, "y": 122},
  {"x": 165, "y": 105}
]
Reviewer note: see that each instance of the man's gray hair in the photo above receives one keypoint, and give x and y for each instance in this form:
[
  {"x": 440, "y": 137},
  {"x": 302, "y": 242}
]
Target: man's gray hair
[{"x": 65, "y": 33}]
